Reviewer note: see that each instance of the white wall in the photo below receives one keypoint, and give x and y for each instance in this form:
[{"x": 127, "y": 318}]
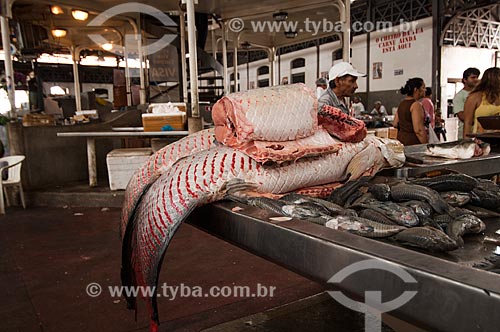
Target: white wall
[
  {"x": 358, "y": 60},
  {"x": 412, "y": 54},
  {"x": 414, "y": 58}
]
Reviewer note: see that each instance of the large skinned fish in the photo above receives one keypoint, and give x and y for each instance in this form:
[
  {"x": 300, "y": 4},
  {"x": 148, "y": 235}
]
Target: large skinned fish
[
  {"x": 201, "y": 178},
  {"x": 159, "y": 163},
  {"x": 272, "y": 124}
]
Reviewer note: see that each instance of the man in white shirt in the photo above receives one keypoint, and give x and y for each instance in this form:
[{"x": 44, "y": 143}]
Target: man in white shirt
[
  {"x": 470, "y": 79},
  {"x": 357, "y": 107},
  {"x": 379, "y": 109},
  {"x": 321, "y": 86}
]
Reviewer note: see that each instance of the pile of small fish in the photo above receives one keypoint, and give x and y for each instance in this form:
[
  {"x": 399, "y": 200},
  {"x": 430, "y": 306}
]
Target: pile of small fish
[{"x": 430, "y": 213}]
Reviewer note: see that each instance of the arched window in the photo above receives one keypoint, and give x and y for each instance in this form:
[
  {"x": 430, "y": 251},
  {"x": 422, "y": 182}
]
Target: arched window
[
  {"x": 263, "y": 76},
  {"x": 336, "y": 55},
  {"x": 297, "y": 67},
  {"x": 263, "y": 70},
  {"x": 298, "y": 63}
]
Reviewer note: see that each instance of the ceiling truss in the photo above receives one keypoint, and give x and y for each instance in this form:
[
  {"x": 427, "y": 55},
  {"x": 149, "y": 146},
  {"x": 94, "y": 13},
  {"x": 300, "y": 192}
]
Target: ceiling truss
[{"x": 479, "y": 27}]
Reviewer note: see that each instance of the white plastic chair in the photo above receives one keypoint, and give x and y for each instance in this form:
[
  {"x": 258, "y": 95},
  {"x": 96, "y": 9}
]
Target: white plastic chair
[{"x": 13, "y": 167}]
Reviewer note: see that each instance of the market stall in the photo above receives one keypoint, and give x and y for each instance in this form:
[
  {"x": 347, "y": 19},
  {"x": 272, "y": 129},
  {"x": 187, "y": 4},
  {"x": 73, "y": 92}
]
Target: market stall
[
  {"x": 418, "y": 163},
  {"x": 451, "y": 295}
]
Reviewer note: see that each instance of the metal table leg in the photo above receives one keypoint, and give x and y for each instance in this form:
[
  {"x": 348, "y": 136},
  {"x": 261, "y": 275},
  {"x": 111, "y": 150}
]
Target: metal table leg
[{"x": 91, "y": 162}]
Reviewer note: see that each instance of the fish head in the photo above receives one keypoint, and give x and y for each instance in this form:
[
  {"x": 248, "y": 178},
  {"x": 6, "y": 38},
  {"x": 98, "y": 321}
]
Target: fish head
[
  {"x": 299, "y": 211},
  {"x": 345, "y": 223},
  {"x": 392, "y": 150}
]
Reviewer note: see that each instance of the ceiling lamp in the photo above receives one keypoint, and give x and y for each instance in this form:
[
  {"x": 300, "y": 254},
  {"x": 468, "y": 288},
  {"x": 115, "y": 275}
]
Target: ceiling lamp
[
  {"x": 280, "y": 16},
  {"x": 80, "y": 15},
  {"x": 107, "y": 46},
  {"x": 291, "y": 34},
  {"x": 59, "y": 33},
  {"x": 56, "y": 10}
]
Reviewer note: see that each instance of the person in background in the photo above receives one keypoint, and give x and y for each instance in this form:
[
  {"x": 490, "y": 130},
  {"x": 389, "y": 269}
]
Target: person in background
[
  {"x": 409, "y": 118},
  {"x": 378, "y": 109},
  {"x": 484, "y": 100},
  {"x": 357, "y": 107},
  {"x": 428, "y": 106},
  {"x": 379, "y": 113},
  {"x": 321, "y": 86},
  {"x": 439, "y": 126},
  {"x": 342, "y": 85},
  {"x": 470, "y": 78}
]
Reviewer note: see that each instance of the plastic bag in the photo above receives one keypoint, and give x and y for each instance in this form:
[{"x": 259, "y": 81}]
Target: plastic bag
[{"x": 432, "y": 137}]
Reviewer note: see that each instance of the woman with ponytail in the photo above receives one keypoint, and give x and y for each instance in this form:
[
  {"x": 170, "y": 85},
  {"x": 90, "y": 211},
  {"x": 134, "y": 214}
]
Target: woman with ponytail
[{"x": 409, "y": 118}]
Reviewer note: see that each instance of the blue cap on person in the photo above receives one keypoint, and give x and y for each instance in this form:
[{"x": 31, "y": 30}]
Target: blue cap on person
[{"x": 341, "y": 69}]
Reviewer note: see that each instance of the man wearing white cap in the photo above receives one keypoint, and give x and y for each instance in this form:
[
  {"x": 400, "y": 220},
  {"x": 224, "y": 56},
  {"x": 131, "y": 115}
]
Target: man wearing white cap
[{"x": 342, "y": 84}]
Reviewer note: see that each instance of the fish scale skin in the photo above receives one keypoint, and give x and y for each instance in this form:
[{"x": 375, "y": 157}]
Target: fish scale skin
[
  {"x": 402, "y": 192},
  {"x": 159, "y": 163},
  {"x": 171, "y": 198},
  {"x": 260, "y": 113}
]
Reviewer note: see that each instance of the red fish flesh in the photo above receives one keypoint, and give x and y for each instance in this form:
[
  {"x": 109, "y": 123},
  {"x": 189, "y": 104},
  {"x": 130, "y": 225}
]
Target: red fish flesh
[{"x": 344, "y": 127}]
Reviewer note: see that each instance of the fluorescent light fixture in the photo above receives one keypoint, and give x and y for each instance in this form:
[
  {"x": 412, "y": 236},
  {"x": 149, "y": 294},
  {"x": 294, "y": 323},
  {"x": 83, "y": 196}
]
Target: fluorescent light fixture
[
  {"x": 107, "y": 46},
  {"x": 56, "y": 10},
  {"x": 59, "y": 33},
  {"x": 79, "y": 15}
]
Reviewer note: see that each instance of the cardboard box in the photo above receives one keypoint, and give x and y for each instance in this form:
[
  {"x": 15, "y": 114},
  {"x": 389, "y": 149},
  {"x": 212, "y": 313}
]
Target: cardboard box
[
  {"x": 156, "y": 121},
  {"x": 33, "y": 120},
  {"x": 386, "y": 132},
  {"x": 122, "y": 164}
]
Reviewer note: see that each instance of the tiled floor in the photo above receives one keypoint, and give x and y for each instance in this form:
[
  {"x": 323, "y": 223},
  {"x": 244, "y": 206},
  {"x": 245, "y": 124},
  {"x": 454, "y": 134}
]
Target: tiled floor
[{"x": 48, "y": 256}]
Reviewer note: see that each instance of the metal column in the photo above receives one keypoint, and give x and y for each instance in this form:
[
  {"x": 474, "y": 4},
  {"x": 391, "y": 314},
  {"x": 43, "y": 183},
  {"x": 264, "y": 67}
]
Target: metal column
[
  {"x": 195, "y": 122},
  {"x": 142, "y": 91},
  {"x": 9, "y": 69},
  {"x": 235, "y": 61},
  {"x": 272, "y": 62},
  {"x": 224, "y": 60},
  {"x": 91, "y": 161},
  {"x": 345, "y": 17},
  {"x": 182, "y": 22},
  {"x": 127, "y": 76},
  {"x": 75, "y": 52}
]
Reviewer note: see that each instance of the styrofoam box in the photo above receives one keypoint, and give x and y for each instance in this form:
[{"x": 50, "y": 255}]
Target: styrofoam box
[{"x": 122, "y": 163}]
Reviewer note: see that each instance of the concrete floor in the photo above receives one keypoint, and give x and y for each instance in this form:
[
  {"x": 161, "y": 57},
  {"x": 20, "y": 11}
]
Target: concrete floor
[{"x": 49, "y": 255}]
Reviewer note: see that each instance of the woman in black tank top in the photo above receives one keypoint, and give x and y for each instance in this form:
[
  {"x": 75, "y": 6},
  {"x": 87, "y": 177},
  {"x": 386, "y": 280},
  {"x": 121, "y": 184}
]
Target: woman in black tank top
[{"x": 409, "y": 118}]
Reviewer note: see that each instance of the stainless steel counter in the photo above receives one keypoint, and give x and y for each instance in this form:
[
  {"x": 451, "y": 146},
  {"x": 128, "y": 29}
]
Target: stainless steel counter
[
  {"x": 476, "y": 166},
  {"x": 451, "y": 295}
]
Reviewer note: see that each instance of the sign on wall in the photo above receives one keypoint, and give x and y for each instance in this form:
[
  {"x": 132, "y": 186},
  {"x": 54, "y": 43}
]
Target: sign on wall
[
  {"x": 398, "y": 41},
  {"x": 405, "y": 52},
  {"x": 164, "y": 65}
]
